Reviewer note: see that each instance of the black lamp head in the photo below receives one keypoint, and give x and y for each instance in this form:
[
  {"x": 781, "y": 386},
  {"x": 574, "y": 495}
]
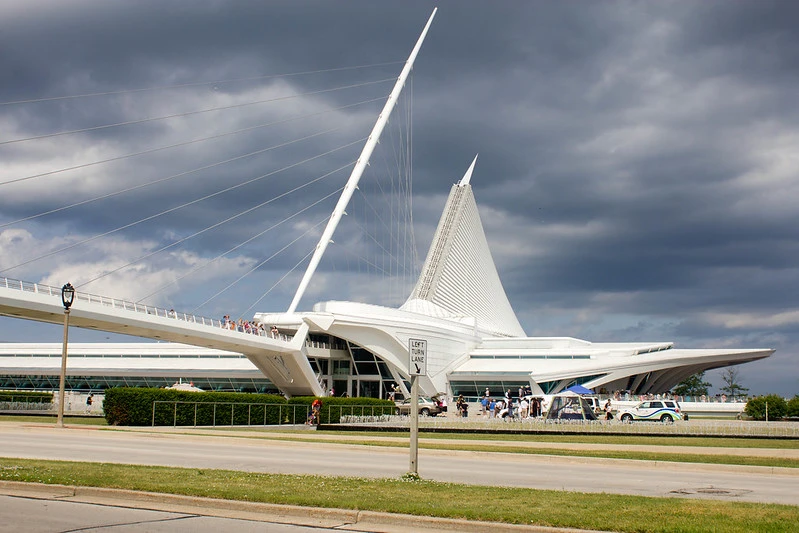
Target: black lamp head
[{"x": 67, "y": 295}]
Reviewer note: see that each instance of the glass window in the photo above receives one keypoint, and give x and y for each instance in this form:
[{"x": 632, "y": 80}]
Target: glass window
[{"x": 341, "y": 367}]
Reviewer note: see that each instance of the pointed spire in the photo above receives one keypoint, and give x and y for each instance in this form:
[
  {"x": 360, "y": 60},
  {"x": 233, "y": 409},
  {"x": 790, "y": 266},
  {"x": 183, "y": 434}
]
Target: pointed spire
[
  {"x": 466, "y": 177},
  {"x": 459, "y": 275}
]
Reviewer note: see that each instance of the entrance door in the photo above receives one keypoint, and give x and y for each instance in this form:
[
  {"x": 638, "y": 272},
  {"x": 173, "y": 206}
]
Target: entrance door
[{"x": 369, "y": 388}]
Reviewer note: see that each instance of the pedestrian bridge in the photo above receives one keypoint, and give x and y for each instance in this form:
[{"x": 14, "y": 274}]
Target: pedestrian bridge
[{"x": 283, "y": 359}]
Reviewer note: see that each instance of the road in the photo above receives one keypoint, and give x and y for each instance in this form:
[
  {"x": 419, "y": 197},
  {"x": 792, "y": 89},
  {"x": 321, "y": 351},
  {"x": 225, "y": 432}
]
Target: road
[{"x": 646, "y": 478}]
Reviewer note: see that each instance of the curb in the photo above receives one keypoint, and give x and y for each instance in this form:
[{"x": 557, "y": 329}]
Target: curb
[{"x": 265, "y": 512}]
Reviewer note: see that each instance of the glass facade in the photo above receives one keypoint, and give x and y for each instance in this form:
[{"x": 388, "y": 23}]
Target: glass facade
[
  {"x": 98, "y": 383},
  {"x": 476, "y": 388}
]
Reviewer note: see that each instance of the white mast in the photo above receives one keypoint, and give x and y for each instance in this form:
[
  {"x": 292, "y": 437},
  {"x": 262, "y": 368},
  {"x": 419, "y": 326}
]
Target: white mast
[{"x": 360, "y": 166}]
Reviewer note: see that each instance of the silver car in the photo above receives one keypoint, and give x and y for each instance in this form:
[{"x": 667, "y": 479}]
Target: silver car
[{"x": 426, "y": 407}]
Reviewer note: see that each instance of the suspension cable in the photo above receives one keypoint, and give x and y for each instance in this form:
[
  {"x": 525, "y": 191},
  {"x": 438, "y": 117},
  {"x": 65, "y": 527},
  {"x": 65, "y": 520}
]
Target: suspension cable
[
  {"x": 162, "y": 180},
  {"x": 260, "y": 264},
  {"x": 193, "y": 141},
  {"x": 216, "y": 225},
  {"x": 196, "y": 112},
  {"x": 220, "y": 256},
  {"x": 195, "y": 84},
  {"x": 176, "y": 208}
]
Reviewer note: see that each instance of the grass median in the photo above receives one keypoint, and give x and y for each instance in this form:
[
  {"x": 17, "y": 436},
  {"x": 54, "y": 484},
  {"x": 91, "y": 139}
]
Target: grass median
[
  {"x": 607, "y": 512},
  {"x": 501, "y": 444},
  {"x": 506, "y": 443},
  {"x": 644, "y": 440},
  {"x": 51, "y": 419}
]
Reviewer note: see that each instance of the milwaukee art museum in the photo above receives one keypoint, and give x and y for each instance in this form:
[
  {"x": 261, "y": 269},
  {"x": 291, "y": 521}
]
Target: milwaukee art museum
[{"x": 459, "y": 306}]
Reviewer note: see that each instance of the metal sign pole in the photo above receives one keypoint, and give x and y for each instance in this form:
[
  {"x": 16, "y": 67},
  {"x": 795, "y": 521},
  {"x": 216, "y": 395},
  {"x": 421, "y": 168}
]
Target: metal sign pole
[
  {"x": 414, "y": 467},
  {"x": 417, "y": 366}
]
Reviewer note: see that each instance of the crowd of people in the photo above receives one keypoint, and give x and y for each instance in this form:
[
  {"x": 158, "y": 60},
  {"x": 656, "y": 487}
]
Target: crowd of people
[
  {"x": 627, "y": 396},
  {"x": 245, "y": 326},
  {"x": 525, "y": 405}
]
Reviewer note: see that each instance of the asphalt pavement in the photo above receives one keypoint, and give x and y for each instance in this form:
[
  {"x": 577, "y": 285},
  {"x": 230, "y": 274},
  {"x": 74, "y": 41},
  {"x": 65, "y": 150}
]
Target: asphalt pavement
[
  {"x": 204, "y": 448},
  {"x": 190, "y": 448}
]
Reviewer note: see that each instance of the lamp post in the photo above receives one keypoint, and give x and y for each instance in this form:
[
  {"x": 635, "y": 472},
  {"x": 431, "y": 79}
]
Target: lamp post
[{"x": 67, "y": 297}]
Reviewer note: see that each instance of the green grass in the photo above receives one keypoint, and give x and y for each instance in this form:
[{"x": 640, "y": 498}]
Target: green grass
[
  {"x": 51, "y": 419},
  {"x": 710, "y": 442},
  {"x": 607, "y": 512},
  {"x": 485, "y": 445}
]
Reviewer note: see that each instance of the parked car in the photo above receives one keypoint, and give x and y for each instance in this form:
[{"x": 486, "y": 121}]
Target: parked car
[
  {"x": 426, "y": 407},
  {"x": 672, "y": 404},
  {"x": 665, "y": 411}
]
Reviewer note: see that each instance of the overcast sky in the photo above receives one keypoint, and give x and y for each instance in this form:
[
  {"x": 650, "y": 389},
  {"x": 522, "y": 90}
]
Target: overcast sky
[{"x": 637, "y": 175}]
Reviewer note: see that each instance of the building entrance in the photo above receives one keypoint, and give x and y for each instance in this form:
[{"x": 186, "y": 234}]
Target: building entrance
[{"x": 369, "y": 388}]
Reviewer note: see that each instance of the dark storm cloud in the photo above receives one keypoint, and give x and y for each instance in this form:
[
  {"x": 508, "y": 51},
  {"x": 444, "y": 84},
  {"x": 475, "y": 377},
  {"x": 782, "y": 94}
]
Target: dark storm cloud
[{"x": 636, "y": 177}]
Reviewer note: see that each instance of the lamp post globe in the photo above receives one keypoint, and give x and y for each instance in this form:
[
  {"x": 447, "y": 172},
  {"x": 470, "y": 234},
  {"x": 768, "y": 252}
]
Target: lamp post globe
[{"x": 67, "y": 297}]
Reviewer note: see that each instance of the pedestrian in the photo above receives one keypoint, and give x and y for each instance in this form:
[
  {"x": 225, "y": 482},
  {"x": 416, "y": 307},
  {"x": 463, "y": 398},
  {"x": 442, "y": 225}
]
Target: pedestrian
[
  {"x": 461, "y": 405},
  {"x": 89, "y": 403},
  {"x": 316, "y": 408},
  {"x": 608, "y": 411}
]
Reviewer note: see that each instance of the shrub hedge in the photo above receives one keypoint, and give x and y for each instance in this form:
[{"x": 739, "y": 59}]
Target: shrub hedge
[
  {"x": 131, "y": 406},
  {"x": 26, "y": 397}
]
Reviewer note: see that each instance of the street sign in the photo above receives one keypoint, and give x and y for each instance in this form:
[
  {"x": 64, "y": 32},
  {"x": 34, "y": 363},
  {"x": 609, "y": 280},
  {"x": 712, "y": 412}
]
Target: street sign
[{"x": 417, "y": 350}]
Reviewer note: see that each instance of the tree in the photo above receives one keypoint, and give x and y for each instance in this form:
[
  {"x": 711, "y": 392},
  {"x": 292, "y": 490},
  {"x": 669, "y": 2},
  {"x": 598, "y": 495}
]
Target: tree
[
  {"x": 692, "y": 386},
  {"x": 793, "y": 407},
  {"x": 732, "y": 385},
  {"x": 756, "y": 407}
]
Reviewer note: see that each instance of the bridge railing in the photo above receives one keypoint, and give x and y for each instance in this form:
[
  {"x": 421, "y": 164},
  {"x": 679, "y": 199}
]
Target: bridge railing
[{"x": 39, "y": 288}]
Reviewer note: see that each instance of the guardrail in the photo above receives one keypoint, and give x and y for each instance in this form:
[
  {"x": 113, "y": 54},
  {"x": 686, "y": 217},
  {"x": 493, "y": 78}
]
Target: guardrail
[
  {"x": 26, "y": 406},
  {"x": 24, "y": 398},
  {"x": 231, "y": 414},
  {"x": 114, "y": 303},
  {"x": 286, "y": 414}
]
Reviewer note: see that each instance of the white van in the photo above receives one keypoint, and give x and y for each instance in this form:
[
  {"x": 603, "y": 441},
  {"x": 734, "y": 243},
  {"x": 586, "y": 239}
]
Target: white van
[{"x": 595, "y": 404}]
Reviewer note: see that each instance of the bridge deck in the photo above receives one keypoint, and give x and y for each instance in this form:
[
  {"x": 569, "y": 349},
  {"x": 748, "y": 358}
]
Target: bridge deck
[{"x": 283, "y": 360}]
